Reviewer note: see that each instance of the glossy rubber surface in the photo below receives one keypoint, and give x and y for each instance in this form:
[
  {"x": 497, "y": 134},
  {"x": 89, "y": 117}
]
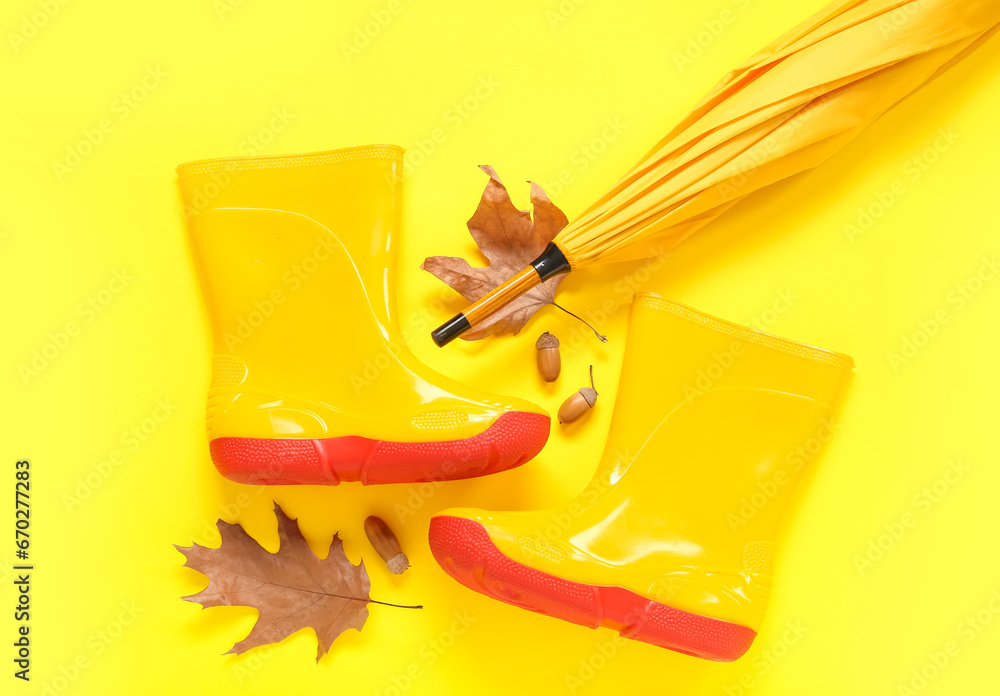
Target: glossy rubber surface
[
  {"x": 297, "y": 256},
  {"x": 713, "y": 425},
  {"x": 512, "y": 440},
  {"x": 465, "y": 551}
]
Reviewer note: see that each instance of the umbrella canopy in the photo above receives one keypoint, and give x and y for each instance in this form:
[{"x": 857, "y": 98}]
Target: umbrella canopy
[{"x": 785, "y": 110}]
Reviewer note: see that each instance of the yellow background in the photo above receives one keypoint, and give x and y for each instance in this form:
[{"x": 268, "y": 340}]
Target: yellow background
[{"x": 559, "y": 71}]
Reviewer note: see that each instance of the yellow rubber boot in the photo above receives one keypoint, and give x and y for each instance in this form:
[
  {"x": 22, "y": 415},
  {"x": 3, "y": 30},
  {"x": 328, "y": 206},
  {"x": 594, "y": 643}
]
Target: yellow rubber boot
[
  {"x": 312, "y": 382},
  {"x": 672, "y": 543}
]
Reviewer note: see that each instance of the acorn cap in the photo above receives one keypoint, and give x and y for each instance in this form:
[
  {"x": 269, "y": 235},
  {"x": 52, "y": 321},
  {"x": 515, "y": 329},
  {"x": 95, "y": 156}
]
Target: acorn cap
[
  {"x": 546, "y": 340},
  {"x": 398, "y": 563},
  {"x": 590, "y": 394}
]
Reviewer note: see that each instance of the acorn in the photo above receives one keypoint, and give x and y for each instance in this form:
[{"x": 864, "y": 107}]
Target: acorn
[
  {"x": 387, "y": 545},
  {"x": 549, "y": 363},
  {"x": 579, "y": 403}
]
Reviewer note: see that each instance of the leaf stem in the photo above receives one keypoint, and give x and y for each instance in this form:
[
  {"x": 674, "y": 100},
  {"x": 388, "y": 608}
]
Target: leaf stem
[
  {"x": 399, "y": 606},
  {"x": 602, "y": 338}
]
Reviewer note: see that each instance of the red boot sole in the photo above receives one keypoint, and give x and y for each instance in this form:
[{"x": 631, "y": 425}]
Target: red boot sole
[
  {"x": 514, "y": 438},
  {"x": 464, "y": 549}
]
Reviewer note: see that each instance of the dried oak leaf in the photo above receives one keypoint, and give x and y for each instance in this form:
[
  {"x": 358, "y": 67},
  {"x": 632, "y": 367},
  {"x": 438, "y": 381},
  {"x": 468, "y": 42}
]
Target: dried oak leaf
[
  {"x": 292, "y": 589},
  {"x": 510, "y": 240}
]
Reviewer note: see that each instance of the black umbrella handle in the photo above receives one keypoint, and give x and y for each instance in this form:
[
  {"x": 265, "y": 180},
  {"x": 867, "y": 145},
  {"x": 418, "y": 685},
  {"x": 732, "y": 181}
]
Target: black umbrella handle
[{"x": 550, "y": 263}]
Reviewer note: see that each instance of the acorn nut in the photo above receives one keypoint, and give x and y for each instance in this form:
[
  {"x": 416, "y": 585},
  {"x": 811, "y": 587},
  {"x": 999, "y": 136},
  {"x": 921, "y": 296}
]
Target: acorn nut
[
  {"x": 549, "y": 363},
  {"x": 579, "y": 403},
  {"x": 386, "y": 544}
]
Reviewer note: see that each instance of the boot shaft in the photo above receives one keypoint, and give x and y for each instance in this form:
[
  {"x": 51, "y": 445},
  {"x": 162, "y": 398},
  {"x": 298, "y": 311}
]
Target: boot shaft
[
  {"x": 297, "y": 260},
  {"x": 714, "y": 425},
  {"x": 263, "y": 227},
  {"x": 751, "y": 397},
  {"x": 676, "y": 354}
]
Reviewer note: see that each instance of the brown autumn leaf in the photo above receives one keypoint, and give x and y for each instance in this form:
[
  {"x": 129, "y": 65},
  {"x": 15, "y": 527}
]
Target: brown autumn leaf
[
  {"x": 510, "y": 240},
  {"x": 292, "y": 589}
]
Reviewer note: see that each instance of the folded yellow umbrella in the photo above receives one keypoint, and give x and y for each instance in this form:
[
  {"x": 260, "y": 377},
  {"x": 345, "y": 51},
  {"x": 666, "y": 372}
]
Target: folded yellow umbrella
[{"x": 785, "y": 110}]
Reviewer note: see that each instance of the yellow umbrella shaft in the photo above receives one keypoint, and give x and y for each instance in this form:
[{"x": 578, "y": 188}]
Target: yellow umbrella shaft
[{"x": 550, "y": 263}]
